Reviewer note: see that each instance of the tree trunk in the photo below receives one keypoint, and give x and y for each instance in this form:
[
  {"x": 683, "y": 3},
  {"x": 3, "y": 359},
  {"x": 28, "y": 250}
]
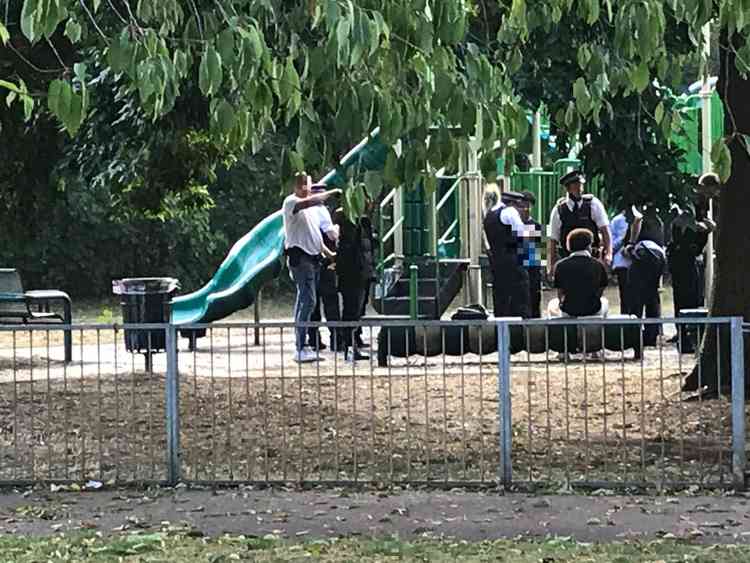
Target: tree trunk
[{"x": 731, "y": 290}]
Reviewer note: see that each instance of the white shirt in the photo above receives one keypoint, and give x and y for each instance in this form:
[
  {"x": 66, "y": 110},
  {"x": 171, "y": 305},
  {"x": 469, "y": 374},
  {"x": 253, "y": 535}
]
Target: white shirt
[
  {"x": 322, "y": 216},
  {"x": 510, "y": 216},
  {"x": 301, "y": 229},
  {"x": 620, "y": 228},
  {"x": 598, "y": 215}
]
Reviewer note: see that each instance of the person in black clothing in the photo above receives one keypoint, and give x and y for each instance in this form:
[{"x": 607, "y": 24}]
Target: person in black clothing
[
  {"x": 353, "y": 267},
  {"x": 506, "y": 236},
  {"x": 327, "y": 284},
  {"x": 368, "y": 260},
  {"x": 645, "y": 272},
  {"x": 580, "y": 279},
  {"x": 689, "y": 238},
  {"x": 533, "y": 259}
]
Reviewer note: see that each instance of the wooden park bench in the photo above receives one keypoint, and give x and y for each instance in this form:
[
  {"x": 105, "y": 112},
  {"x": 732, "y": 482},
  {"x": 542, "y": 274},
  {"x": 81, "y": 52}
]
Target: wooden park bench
[{"x": 27, "y": 307}]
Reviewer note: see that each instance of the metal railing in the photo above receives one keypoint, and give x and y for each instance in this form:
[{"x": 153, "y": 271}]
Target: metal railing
[
  {"x": 397, "y": 223},
  {"x": 567, "y": 402}
]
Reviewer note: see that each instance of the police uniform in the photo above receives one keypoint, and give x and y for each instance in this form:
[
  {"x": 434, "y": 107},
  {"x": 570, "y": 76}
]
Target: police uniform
[
  {"x": 505, "y": 233},
  {"x": 568, "y": 214}
]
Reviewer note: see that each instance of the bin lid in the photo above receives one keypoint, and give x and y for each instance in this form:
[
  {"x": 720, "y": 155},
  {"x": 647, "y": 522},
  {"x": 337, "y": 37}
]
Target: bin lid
[{"x": 143, "y": 286}]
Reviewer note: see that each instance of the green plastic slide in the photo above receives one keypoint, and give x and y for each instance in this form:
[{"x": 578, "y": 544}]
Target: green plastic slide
[{"x": 257, "y": 257}]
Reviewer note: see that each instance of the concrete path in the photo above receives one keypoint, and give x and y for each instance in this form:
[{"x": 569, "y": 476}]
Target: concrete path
[{"x": 304, "y": 515}]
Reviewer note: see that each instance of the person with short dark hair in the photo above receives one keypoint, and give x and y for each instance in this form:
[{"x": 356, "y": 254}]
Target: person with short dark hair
[
  {"x": 580, "y": 279},
  {"x": 533, "y": 257},
  {"x": 304, "y": 248}
]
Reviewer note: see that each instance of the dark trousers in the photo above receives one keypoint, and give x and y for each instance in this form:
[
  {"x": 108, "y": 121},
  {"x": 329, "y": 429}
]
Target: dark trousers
[
  {"x": 352, "y": 296},
  {"x": 622, "y": 286},
  {"x": 363, "y": 312},
  {"x": 686, "y": 289},
  {"x": 535, "y": 292},
  {"x": 643, "y": 292},
  {"x": 510, "y": 286},
  {"x": 327, "y": 295}
]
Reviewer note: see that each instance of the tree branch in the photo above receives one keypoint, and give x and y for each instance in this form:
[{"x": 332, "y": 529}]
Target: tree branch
[
  {"x": 30, "y": 64},
  {"x": 116, "y": 11},
  {"x": 93, "y": 21}
]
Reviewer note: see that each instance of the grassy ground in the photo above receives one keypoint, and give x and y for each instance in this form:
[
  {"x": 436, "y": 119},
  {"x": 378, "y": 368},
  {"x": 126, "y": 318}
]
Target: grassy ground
[{"x": 178, "y": 548}]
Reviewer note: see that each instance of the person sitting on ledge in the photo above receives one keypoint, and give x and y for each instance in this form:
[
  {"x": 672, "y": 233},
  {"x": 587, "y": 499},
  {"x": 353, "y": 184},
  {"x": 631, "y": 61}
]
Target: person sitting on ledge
[{"x": 580, "y": 280}]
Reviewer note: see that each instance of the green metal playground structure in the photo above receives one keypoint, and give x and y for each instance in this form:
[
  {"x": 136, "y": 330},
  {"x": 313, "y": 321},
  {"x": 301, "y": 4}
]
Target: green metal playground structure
[{"x": 430, "y": 245}]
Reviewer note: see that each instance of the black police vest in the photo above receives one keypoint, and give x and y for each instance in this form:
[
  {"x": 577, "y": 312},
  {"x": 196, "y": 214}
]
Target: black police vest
[
  {"x": 579, "y": 219},
  {"x": 503, "y": 243}
]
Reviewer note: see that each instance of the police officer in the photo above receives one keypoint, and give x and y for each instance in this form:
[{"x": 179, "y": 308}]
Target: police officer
[
  {"x": 507, "y": 236},
  {"x": 327, "y": 284},
  {"x": 533, "y": 258},
  {"x": 577, "y": 211}
]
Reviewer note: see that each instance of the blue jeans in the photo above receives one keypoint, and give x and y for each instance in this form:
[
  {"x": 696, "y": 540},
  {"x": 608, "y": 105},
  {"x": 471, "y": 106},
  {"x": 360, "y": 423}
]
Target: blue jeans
[{"x": 305, "y": 275}]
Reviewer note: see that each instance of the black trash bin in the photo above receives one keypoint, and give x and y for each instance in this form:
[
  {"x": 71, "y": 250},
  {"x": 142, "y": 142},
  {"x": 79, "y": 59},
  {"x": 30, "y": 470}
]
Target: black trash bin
[{"x": 145, "y": 300}]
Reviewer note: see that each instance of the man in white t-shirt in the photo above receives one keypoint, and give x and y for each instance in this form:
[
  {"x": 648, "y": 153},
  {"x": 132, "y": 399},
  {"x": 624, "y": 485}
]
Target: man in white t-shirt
[
  {"x": 577, "y": 211},
  {"x": 304, "y": 250}
]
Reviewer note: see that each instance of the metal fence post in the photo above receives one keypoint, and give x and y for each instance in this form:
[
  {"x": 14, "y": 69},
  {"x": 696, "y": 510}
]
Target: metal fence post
[
  {"x": 173, "y": 407},
  {"x": 739, "y": 458},
  {"x": 504, "y": 406}
]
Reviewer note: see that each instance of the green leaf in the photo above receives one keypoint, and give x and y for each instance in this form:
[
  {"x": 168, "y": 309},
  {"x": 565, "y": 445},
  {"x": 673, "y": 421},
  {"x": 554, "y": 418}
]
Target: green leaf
[
  {"x": 53, "y": 96},
  {"x": 215, "y": 70},
  {"x": 295, "y": 161},
  {"x": 390, "y": 170},
  {"x": 332, "y": 13},
  {"x": 593, "y": 11},
  {"x": 4, "y": 35},
  {"x": 659, "y": 112},
  {"x": 73, "y": 31},
  {"x": 225, "y": 117},
  {"x": 29, "y": 22},
  {"x": 721, "y": 159},
  {"x": 582, "y": 96},
  {"x": 639, "y": 77},
  {"x": 225, "y": 44},
  {"x": 374, "y": 183}
]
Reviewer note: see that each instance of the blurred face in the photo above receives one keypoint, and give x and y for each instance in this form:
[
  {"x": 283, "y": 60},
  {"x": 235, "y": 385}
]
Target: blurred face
[
  {"x": 524, "y": 209},
  {"x": 575, "y": 189},
  {"x": 302, "y": 185}
]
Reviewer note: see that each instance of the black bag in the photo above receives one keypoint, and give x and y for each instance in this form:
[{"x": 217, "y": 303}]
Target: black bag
[{"x": 475, "y": 312}]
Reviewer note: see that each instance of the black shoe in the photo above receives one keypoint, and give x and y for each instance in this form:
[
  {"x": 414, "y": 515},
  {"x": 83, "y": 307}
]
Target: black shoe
[
  {"x": 355, "y": 355},
  {"x": 320, "y": 346},
  {"x": 361, "y": 343}
]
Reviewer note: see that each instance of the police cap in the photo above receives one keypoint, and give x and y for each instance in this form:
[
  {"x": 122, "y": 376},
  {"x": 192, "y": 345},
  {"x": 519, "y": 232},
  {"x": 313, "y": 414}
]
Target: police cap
[
  {"x": 571, "y": 177},
  {"x": 511, "y": 197}
]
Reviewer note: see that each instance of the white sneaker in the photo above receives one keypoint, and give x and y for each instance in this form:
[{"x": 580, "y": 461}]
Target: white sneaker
[{"x": 306, "y": 355}]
